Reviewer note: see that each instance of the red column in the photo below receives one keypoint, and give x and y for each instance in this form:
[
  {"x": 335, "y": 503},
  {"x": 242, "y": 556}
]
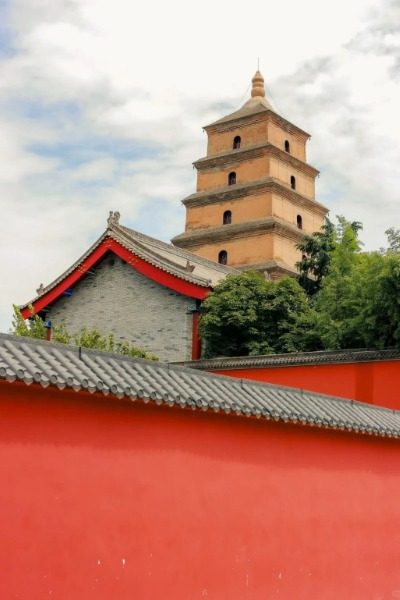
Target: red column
[{"x": 196, "y": 342}]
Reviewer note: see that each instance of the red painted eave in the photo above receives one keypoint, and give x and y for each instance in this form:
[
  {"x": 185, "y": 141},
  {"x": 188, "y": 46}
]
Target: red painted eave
[{"x": 150, "y": 271}]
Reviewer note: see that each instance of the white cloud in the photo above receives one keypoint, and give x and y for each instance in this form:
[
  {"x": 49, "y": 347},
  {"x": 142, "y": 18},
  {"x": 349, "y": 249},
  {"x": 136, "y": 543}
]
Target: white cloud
[
  {"x": 98, "y": 170},
  {"x": 101, "y": 108}
]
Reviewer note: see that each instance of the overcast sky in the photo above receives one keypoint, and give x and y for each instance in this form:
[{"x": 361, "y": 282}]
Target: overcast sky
[{"x": 102, "y": 105}]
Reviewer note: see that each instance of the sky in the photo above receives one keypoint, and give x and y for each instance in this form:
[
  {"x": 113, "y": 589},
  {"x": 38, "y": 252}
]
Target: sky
[{"x": 102, "y": 106}]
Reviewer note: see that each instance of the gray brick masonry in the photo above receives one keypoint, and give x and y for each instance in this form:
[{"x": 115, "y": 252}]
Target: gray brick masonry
[{"x": 118, "y": 299}]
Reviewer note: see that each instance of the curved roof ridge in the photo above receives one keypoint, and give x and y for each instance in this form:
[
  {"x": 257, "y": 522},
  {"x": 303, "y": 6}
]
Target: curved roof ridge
[
  {"x": 44, "y": 289},
  {"x": 176, "y": 250},
  {"x": 156, "y": 260}
]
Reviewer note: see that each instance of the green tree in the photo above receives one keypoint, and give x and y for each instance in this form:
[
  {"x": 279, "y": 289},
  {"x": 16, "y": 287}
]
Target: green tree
[
  {"x": 393, "y": 236},
  {"x": 246, "y": 314},
  {"x": 34, "y": 327},
  {"x": 336, "y": 302},
  {"x": 287, "y": 317},
  {"x": 230, "y": 315},
  {"x": 379, "y": 300},
  {"x": 388, "y": 301},
  {"x": 316, "y": 252},
  {"x": 92, "y": 338},
  {"x": 360, "y": 308},
  {"x": 359, "y": 304}
]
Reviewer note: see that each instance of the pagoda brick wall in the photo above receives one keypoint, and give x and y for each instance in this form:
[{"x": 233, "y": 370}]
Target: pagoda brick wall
[
  {"x": 119, "y": 300},
  {"x": 278, "y": 136},
  {"x": 251, "y": 208},
  {"x": 246, "y": 248},
  {"x": 256, "y": 132},
  {"x": 254, "y": 170},
  {"x": 247, "y": 208}
]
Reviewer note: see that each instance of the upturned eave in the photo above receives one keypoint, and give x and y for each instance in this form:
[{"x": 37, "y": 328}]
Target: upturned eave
[
  {"x": 244, "y": 154},
  {"x": 198, "y": 237},
  {"x": 238, "y": 191}
]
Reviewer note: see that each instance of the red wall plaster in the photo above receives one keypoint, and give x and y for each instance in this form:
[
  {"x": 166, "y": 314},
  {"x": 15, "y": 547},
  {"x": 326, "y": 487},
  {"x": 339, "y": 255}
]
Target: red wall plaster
[
  {"x": 102, "y": 499},
  {"x": 373, "y": 382}
]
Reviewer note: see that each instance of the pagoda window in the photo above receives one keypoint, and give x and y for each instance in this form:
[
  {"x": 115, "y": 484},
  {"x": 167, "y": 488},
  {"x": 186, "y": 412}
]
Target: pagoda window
[
  {"x": 223, "y": 257},
  {"x": 232, "y": 178},
  {"x": 227, "y": 217},
  {"x": 236, "y": 142},
  {"x": 287, "y": 146},
  {"x": 293, "y": 182},
  {"x": 299, "y": 220}
]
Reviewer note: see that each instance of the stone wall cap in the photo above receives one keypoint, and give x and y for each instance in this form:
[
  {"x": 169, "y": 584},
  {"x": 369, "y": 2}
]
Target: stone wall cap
[{"x": 295, "y": 359}]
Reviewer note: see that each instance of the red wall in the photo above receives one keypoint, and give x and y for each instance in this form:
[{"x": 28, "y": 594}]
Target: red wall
[
  {"x": 373, "y": 382},
  {"x": 102, "y": 500}
]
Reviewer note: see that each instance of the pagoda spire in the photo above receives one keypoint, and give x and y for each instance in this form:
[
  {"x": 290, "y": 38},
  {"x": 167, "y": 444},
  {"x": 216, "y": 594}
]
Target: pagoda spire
[{"x": 257, "y": 83}]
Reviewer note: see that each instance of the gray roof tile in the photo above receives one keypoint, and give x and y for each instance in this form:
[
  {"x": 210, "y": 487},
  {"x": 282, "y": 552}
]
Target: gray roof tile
[
  {"x": 62, "y": 366},
  {"x": 293, "y": 359}
]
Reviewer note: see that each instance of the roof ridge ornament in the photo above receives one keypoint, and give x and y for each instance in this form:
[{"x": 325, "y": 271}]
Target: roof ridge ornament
[{"x": 113, "y": 218}]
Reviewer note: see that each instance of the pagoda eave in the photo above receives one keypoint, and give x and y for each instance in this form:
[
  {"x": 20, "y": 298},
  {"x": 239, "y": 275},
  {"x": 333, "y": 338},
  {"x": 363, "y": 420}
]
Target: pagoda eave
[
  {"x": 266, "y": 149},
  {"x": 199, "y": 237},
  {"x": 237, "y": 122},
  {"x": 274, "y": 268},
  {"x": 238, "y": 191}
]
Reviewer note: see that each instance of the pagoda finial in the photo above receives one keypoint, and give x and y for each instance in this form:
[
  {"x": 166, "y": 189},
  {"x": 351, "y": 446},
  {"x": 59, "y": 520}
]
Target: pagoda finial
[{"x": 257, "y": 90}]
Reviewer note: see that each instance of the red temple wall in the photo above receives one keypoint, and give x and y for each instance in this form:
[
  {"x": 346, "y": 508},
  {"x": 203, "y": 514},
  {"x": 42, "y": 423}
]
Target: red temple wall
[
  {"x": 102, "y": 499},
  {"x": 373, "y": 382}
]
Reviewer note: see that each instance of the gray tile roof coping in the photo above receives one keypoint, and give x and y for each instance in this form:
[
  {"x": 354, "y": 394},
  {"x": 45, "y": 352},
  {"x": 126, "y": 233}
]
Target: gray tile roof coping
[
  {"x": 63, "y": 366},
  {"x": 293, "y": 359}
]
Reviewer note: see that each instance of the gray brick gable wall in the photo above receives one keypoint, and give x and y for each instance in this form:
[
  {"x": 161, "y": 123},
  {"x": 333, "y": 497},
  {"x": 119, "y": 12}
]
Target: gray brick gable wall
[{"x": 118, "y": 299}]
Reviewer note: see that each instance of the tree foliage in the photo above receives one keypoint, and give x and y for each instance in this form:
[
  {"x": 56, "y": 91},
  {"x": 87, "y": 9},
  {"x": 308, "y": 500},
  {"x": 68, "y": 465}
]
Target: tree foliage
[
  {"x": 344, "y": 298},
  {"x": 316, "y": 252},
  {"x": 359, "y": 302},
  {"x": 35, "y": 327},
  {"x": 393, "y": 236},
  {"x": 246, "y": 314}
]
